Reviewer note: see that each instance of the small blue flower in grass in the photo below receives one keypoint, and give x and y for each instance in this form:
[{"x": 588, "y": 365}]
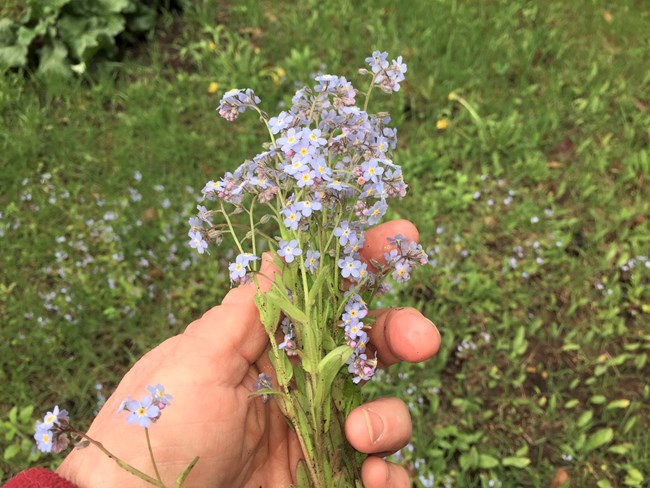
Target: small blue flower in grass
[
  {"x": 43, "y": 437},
  {"x": 54, "y": 417},
  {"x": 159, "y": 395},
  {"x": 197, "y": 242},
  {"x": 143, "y": 412},
  {"x": 343, "y": 232},
  {"x": 311, "y": 263},
  {"x": 289, "y": 250}
]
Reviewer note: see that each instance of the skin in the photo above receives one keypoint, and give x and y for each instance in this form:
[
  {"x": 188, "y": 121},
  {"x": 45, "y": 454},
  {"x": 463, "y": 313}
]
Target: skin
[{"x": 211, "y": 368}]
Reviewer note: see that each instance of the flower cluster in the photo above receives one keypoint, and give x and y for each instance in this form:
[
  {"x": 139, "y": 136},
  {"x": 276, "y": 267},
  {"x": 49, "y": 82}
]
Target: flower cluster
[
  {"x": 325, "y": 177},
  {"x": 235, "y": 102},
  {"x": 387, "y": 76},
  {"x": 147, "y": 410},
  {"x": 51, "y": 434}
]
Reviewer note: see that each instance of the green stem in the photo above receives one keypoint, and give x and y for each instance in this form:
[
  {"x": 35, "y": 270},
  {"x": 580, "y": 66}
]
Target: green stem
[
  {"x": 266, "y": 123},
  {"x": 232, "y": 231},
  {"x": 253, "y": 240},
  {"x": 123, "y": 464},
  {"x": 153, "y": 459}
]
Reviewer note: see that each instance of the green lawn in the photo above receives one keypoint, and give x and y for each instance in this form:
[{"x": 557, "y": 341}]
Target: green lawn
[{"x": 533, "y": 204}]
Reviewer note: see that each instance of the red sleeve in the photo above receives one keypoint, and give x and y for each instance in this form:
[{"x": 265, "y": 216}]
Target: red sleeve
[{"x": 38, "y": 478}]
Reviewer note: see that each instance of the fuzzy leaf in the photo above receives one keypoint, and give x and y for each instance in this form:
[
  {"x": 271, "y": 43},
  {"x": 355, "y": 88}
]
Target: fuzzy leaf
[
  {"x": 54, "y": 60},
  {"x": 515, "y": 462},
  {"x": 302, "y": 476},
  {"x": 11, "y": 451},
  {"x": 25, "y": 414},
  {"x": 328, "y": 368},
  {"x": 486, "y": 461},
  {"x": 322, "y": 274},
  {"x": 269, "y": 312},
  {"x": 599, "y": 438},
  {"x": 186, "y": 471},
  {"x": 13, "y": 56}
]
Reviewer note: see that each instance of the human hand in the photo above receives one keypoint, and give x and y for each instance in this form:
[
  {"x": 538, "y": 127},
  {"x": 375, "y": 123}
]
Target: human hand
[{"x": 211, "y": 368}]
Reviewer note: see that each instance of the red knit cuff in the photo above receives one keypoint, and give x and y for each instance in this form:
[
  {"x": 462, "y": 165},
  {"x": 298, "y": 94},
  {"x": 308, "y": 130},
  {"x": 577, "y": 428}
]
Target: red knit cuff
[{"x": 38, "y": 478}]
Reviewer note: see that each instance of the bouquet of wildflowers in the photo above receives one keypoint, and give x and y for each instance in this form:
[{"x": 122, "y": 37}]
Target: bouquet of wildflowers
[{"x": 325, "y": 176}]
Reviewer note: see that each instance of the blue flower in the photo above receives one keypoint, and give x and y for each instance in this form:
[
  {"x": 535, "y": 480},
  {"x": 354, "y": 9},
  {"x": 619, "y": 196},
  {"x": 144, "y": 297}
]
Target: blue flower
[
  {"x": 311, "y": 263},
  {"x": 197, "y": 242},
  {"x": 290, "y": 140},
  {"x": 159, "y": 395},
  {"x": 143, "y": 412},
  {"x": 43, "y": 437},
  {"x": 263, "y": 382},
  {"x": 54, "y": 417},
  {"x": 376, "y": 212},
  {"x": 402, "y": 272},
  {"x": 378, "y": 61},
  {"x": 306, "y": 178},
  {"x": 343, "y": 232},
  {"x": 238, "y": 268},
  {"x": 314, "y": 137},
  {"x": 292, "y": 217},
  {"x": 281, "y": 122},
  {"x": 236, "y": 101},
  {"x": 289, "y": 250},
  {"x": 350, "y": 267},
  {"x": 371, "y": 170}
]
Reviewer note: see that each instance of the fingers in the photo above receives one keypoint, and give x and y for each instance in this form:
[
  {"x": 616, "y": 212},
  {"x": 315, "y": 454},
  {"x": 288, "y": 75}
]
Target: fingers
[
  {"x": 233, "y": 326},
  {"x": 380, "y": 426},
  {"x": 377, "y": 473},
  {"x": 376, "y": 243},
  {"x": 403, "y": 334}
]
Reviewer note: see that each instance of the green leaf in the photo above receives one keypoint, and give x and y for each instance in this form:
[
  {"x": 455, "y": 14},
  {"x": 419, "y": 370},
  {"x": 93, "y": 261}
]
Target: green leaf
[
  {"x": 11, "y": 451},
  {"x": 13, "y": 57},
  {"x": 282, "y": 366},
  {"x": 469, "y": 459},
  {"x": 328, "y": 368},
  {"x": 599, "y": 438},
  {"x": 598, "y": 399},
  {"x": 621, "y": 448},
  {"x": 604, "y": 484},
  {"x": 269, "y": 311},
  {"x": 634, "y": 476},
  {"x": 519, "y": 343},
  {"x": 54, "y": 60},
  {"x": 88, "y": 35},
  {"x": 323, "y": 273},
  {"x": 13, "y": 414},
  {"x": 302, "y": 476},
  {"x": 486, "y": 461},
  {"x": 25, "y": 414},
  {"x": 584, "y": 418},
  {"x": 622, "y": 403},
  {"x": 181, "y": 477},
  {"x": 571, "y": 404},
  {"x": 515, "y": 462}
]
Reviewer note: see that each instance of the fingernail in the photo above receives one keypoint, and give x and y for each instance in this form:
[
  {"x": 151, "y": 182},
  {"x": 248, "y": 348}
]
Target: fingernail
[
  {"x": 375, "y": 425},
  {"x": 435, "y": 327}
]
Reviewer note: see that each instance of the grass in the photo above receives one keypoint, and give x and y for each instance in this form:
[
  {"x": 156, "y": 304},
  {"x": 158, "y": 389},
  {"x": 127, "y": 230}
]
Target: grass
[{"x": 533, "y": 203}]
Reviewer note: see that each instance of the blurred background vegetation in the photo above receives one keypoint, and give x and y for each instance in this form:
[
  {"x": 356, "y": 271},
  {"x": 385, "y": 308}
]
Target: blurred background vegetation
[{"x": 529, "y": 185}]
